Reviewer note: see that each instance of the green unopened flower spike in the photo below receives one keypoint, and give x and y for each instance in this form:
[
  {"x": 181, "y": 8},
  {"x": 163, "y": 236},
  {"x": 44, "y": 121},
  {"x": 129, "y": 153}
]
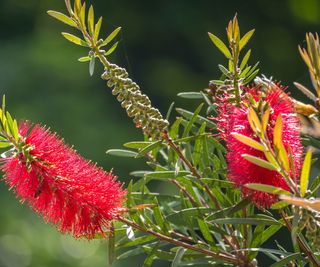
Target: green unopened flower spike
[{"x": 137, "y": 104}]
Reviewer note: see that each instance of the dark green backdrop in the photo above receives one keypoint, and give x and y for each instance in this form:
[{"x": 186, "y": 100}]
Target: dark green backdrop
[{"x": 164, "y": 46}]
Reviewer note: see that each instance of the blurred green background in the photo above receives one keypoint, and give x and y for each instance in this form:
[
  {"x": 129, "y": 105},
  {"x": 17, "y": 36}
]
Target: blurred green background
[{"x": 165, "y": 47}]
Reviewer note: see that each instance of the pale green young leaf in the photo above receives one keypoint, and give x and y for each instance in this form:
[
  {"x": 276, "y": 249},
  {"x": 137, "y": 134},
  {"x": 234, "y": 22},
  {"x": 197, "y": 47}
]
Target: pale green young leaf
[
  {"x": 82, "y": 15},
  {"x": 62, "y": 17},
  {"x": 277, "y": 140},
  {"x": 91, "y": 20},
  {"x": 74, "y": 39},
  {"x": 268, "y": 189},
  {"x": 265, "y": 120},
  {"x": 190, "y": 95},
  {"x": 112, "y": 49},
  {"x": 248, "y": 141},
  {"x": 77, "y": 7},
  {"x": 5, "y": 144},
  {"x": 220, "y": 45},
  {"x": 259, "y": 162},
  {"x": 305, "y": 173},
  {"x": 111, "y": 36},
  {"x": 84, "y": 59},
  {"x": 97, "y": 29},
  {"x": 122, "y": 153},
  {"x": 245, "y": 60},
  {"x": 245, "y": 39},
  {"x": 254, "y": 121},
  {"x": 91, "y": 65}
]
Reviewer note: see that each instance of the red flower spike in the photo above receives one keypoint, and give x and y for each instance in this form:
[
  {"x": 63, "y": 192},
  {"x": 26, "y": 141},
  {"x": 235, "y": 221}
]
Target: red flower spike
[
  {"x": 76, "y": 195},
  {"x": 233, "y": 119}
]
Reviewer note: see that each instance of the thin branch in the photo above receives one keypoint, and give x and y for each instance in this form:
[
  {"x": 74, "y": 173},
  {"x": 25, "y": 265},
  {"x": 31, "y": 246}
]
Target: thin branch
[{"x": 216, "y": 255}]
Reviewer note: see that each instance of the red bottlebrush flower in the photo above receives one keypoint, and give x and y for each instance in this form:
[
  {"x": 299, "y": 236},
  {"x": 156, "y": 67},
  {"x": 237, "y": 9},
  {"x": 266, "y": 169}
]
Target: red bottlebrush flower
[
  {"x": 76, "y": 195},
  {"x": 234, "y": 119}
]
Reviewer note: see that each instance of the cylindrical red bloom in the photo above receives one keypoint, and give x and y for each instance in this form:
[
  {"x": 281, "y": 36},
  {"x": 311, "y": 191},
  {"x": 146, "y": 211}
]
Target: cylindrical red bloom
[
  {"x": 234, "y": 119},
  {"x": 67, "y": 190}
]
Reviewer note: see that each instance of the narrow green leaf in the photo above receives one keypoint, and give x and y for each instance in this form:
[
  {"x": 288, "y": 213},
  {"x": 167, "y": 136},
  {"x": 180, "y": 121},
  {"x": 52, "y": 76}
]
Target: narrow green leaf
[
  {"x": 179, "y": 217},
  {"x": 151, "y": 257},
  {"x": 268, "y": 189},
  {"x": 190, "y": 95},
  {"x": 84, "y": 59},
  {"x": 5, "y": 144},
  {"x": 245, "y": 60},
  {"x": 250, "y": 77},
  {"x": 112, "y": 49},
  {"x": 205, "y": 230},
  {"x": 287, "y": 259},
  {"x": 166, "y": 174},
  {"x": 111, "y": 36},
  {"x": 97, "y": 29},
  {"x": 192, "y": 120},
  {"x": 62, "y": 17},
  {"x": 91, "y": 65},
  {"x": 250, "y": 221},
  {"x": 279, "y": 205},
  {"x": 74, "y": 39},
  {"x": 139, "y": 173},
  {"x": 122, "y": 153},
  {"x": 136, "y": 241},
  {"x": 259, "y": 162},
  {"x": 178, "y": 257},
  {"x": 137, "y": 144},
  {"x": 197, "y": 149},
  {"x": 169, "y": 111},
  {"x": 220, "y": 45},
  {"x": 248, "y": 141},
  {"x": 245, "y": 39},
  {"x": 91, "y": 20},
  {"x": 265, "y": 235},
  {"x": 305, "y": 173},
  {"x": 82, "y": 15},
  {"x": 199, "y": 119},
  {"x": 77, "y": 6},
  {"x": 149, "y": 148}
]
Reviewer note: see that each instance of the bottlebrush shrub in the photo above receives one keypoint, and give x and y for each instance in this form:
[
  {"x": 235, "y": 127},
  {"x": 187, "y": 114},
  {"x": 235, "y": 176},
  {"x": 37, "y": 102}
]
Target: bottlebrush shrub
[
  {"x": 228, "y": 196},
  {"x": 76, "y": 195}
]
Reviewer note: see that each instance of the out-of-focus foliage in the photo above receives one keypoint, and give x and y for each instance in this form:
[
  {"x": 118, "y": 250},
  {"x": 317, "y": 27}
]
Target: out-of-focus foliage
[{"x": 164, "y": 46}]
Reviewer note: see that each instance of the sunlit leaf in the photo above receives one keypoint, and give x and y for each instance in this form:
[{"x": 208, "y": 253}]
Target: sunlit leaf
[
  {"x": 62, "y": 17},
  {"x": 112, "y": 49},
  {"x": 97, "y": 29},
  {"x": 260, "y": 162},
  {"x": 248, "y": 141},
  {"x": 244, "y": 40},
  {"x": 74, "y": 39},
  {"x": 111, "y": 36},
  {"x": 91, "y": 20},
  {"x": 220, "y": 45},
  {"x": 268, "y": 189},
  {"x": 305, "y": 173}
]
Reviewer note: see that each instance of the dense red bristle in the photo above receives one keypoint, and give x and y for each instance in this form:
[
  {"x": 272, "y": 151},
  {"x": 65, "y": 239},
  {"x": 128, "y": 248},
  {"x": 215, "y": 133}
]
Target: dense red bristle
[
  {"x": 67, "y": 190},
  {"x": 233, "y": 119}
]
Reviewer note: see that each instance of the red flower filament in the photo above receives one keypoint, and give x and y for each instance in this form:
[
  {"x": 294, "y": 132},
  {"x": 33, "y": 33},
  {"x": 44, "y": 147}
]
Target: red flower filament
[
  {"x": 233, "y": 119},
  {"x": 75, "y": 194}
]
